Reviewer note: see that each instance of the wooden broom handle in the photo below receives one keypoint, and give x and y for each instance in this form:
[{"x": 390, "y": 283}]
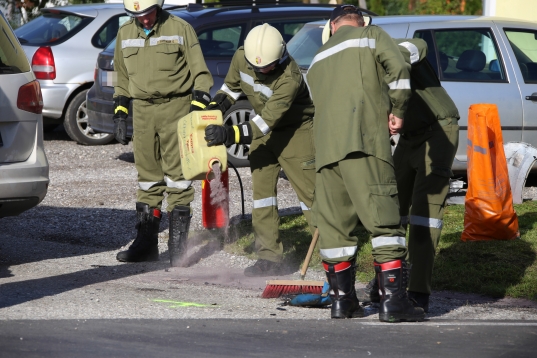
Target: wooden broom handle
[{"x": 310, "y": 252}]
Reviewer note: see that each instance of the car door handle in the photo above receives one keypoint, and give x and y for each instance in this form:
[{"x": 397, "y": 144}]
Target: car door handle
[{"x": 533, "y": 97}]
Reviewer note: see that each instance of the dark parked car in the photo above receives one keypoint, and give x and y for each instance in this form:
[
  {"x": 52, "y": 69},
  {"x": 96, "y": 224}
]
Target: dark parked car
[{"x": 221, "y": 30}]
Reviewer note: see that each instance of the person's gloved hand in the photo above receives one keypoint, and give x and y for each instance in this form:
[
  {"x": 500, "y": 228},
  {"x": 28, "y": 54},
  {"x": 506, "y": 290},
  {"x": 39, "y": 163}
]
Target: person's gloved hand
[
  {"x": 121, "y": 110},
  {"x": 219, "y": 102},
  {"x": 216, "y": 135},
  {"x": 228, "y": 135},
  {"x": 200, "y": 100}
]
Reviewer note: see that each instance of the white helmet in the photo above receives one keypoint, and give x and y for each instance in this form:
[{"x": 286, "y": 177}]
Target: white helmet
[
  {"x": 141, "y": 7},
  {"x": 263, "y": 47}
]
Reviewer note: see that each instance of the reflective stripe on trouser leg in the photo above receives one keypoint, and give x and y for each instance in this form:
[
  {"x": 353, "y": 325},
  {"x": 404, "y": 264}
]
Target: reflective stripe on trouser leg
[
  {"x": 265, "y": 218},
  {"x": 342, "y": 201}
]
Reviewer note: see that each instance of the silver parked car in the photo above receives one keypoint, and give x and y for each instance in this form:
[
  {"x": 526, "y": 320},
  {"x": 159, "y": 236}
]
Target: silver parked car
[
  {"x": 62, "y": 46},
  {"x": 23, "y": 164},
  {"x": 477, "y": 59}
]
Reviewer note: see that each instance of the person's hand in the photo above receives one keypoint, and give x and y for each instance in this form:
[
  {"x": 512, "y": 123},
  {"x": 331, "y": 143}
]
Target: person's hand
[
  {"x": 219, "y": 102},
  {"x": 120, "y": 127},
  {"x": 200, "y": 100},
  {"x": 217, "y": 135},
  {"x": 395, "y": 124}
]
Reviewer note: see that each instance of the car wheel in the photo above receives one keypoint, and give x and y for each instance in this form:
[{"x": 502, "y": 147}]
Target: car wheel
[
  {"x": 240, "y": 112},
  {"x": 76, "y": 123}
]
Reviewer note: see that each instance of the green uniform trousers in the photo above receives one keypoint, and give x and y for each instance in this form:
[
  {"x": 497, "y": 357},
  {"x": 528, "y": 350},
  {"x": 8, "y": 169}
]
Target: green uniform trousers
[
  {"x": 423, "y": 167},
  {"x": 359, "y": 188},
  {"x": 292, "y": 149},
  {"x": 156, "y": 152}
]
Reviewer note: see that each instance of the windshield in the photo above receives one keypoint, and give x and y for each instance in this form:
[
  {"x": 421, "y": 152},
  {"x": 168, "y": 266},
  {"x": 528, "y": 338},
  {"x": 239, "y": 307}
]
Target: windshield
[
  {"x": 304, "y": 45},
  {"x": 50, "y": 28}
]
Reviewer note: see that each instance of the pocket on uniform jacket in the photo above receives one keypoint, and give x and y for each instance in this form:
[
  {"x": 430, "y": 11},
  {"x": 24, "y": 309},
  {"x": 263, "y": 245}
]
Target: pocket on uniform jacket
[
  {"x": 130, "y": 58},
  {"x": 166, "y": 57},
  {"x": 384, "y": 205}
]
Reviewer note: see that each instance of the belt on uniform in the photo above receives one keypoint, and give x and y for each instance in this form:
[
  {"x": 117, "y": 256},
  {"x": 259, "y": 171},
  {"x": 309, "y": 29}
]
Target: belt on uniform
[
  {"x": 442, "y": 122},
  {"x": 160, "y": 100}
]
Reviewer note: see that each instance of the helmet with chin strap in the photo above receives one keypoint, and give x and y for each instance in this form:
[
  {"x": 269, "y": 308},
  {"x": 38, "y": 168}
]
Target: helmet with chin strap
[
  {"x": 138, "y": 8},
  {"x": 264, "y": 46}
]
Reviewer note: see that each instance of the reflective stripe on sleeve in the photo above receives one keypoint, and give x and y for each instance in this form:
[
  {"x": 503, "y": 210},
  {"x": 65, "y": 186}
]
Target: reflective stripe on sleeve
[
  {"x": 234, "y": 95},
  {"x": 388, "y": 240},
  {"x": 413, "y": 49},
  {"x": 263, "y": 203},
  {"x": 364, "y": 42},
  {"x": 180, "y": 184},
  {"x": 258, "y": 87},
  {"x": 399, "y": 84},
  {"x": 132, "y": 43},
  {"x": 174, "y": 39},
  {"x": 427, "y": 222},
  {"x": 260, "y": 123},
  {"x": 338, "y": 252}
]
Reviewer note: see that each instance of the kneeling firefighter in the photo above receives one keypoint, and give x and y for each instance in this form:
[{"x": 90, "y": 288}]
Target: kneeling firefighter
[
  {"x": 161, "y": 69},
  {"x": 280, "y": 134}
]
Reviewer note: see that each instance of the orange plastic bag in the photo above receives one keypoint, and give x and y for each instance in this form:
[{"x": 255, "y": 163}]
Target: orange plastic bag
[{"x": 489, "y": 212}]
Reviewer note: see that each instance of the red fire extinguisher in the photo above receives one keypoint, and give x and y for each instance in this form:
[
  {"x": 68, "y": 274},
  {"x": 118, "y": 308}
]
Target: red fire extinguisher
[{"x": 214, "y": 216}]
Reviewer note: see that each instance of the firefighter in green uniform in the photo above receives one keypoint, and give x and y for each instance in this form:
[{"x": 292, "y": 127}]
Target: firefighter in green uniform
[
  {"x": 281, "y": 134},
  {"x": 423, "y": 158},
  {"x": 360, "y": 86},
  {"x": 160, "y": 67}
]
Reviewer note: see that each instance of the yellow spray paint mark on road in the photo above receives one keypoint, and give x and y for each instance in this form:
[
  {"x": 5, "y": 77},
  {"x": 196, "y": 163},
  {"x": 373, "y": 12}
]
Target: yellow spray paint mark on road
[{"x": 176, "y": 304}]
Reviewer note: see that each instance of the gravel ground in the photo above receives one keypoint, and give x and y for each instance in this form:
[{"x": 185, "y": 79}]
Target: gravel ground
[{"x": 58, "y": 259}]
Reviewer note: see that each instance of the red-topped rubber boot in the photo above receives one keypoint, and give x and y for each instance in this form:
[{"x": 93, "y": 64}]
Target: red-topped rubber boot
[
  {"x": 341, "y": 277},
  {"x": 395, "y": 306}
]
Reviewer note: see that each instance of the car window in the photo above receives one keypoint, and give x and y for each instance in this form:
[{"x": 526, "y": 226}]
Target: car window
[
  {"x": 305, "y": 44},
  {"x": 288, "y": 28},
  {"x": 49, "y": 28},
  {"x": 221, "y": 41},
  {"x": 12, "y": 57},
  {"x": 524, "y": 44},
  {"x": 464, "y": 54},
  {"x": 108, "y": 31}
]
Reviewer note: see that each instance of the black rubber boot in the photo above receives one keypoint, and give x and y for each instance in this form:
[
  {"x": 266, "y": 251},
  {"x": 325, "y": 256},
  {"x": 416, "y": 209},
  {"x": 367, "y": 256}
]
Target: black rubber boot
[
  {"x": 395, "y": 305},
  {"x": 341, "y": 277},
  {"x": 420, "y": 300},
  {"x": 264, "y": 268},
  {"x": 177, "y": 242},
  {"x": 370, "y": 293},
  {"x": 145, "y": 246}
]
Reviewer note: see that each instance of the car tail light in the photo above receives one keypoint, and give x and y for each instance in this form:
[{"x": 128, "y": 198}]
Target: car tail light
[
  {"x": 43, "y": 64},
  {"x": 30, "y": 98},
  {"x": 95, "y": 73}
]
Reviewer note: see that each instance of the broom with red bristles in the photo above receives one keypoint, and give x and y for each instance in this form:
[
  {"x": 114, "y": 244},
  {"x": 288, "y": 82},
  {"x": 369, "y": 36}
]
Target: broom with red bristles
[{"x": 276, "y": 288}]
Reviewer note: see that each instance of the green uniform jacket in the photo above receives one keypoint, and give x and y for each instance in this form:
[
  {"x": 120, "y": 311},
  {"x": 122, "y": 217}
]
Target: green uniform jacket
[
  {"x": 430, "y": 101},
  {"x": 166, "y": 63},
  {"x": 356, "y": 79},
  {"x": 280, "y": 98}
]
